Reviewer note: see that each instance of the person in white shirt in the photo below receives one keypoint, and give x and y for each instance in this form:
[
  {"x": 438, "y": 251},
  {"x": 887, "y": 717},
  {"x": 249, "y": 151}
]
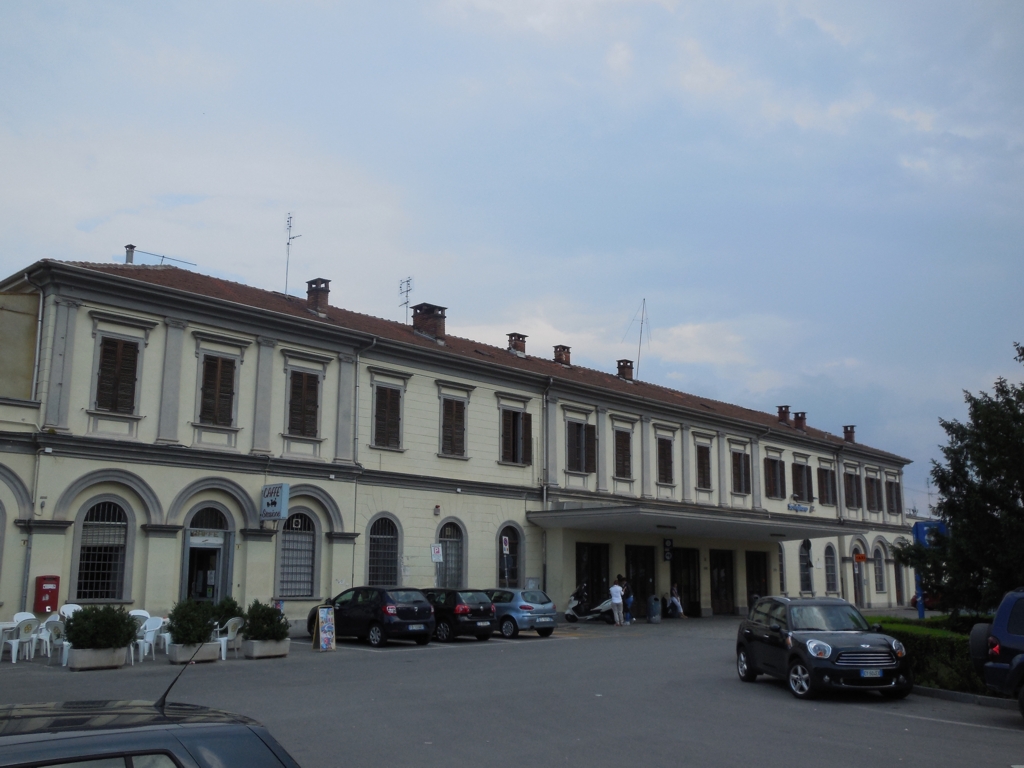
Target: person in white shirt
[{"x": 616, "y": 592}]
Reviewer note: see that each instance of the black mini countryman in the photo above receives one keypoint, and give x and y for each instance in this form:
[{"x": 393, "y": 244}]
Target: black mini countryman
[{"x": 820, "y": 644}]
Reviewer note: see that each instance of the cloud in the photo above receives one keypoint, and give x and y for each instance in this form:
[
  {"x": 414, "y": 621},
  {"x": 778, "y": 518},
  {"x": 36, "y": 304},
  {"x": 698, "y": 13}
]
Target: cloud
[
  {"x": 619, "y": 58},
  {"x": 921, "y": 119}
]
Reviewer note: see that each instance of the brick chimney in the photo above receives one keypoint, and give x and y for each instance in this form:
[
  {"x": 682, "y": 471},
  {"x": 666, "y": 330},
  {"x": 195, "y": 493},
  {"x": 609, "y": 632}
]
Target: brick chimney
[
  {"x": 317, "y": 291},
  {"x": 129, "y": 254},
  {"x": 517, "y": 343},
  {"x": 625, "y": 369},
  {"x": 784, "y": 414},
  {"x": 848, "y": 433},
  {"x": 428, "y": 319},
  {"x": 800, "y": 420},
  {"x": 562, "y": 354}
]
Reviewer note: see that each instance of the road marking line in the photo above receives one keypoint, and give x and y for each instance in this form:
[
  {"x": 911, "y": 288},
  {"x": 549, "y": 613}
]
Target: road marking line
[{"x": 947, "y": 722}]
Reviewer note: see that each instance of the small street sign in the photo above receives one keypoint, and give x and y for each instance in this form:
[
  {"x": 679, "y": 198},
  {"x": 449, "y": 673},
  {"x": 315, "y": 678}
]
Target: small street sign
[
  {"x": 435, "y": 554},
  {"x": 274, "y": 502}
]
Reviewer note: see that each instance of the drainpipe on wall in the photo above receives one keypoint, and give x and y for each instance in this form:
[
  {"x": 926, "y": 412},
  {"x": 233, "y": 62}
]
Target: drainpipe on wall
[
  {"x": 544, "y": 442},
  {"x": 355, "y": 453}
]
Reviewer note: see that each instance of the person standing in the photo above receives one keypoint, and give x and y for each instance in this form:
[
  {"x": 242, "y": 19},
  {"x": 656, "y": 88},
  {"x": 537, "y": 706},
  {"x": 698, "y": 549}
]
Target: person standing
[
  {"x": 616, "y": 593},
  {"x": 627, "y": 599},
  {"x": 674, "y": 601}
]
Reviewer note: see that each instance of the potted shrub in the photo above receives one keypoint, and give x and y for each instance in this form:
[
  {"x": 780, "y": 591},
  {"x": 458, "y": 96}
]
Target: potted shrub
[
  {"x": 265, "y": 634},
  {"x": 191, "y": 625},
  {"x": 99, "y": 636}
]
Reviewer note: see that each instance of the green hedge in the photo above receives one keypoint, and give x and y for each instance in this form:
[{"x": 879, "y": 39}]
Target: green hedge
[
  {"x": 938, "y": 658},
  {"x": 100, "y": 626}
]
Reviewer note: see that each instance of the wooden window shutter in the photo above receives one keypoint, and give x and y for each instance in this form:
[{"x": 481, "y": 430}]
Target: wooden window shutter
[
  {"x": 664, "y": 460},
  {"x": 380, "y": 418},
  {"x": 590, "y": 448},
  {"x": 782, "y": 479},
  {"x": 508, "y": 452},
  {"x": 447, "y": 427},
  {"x": 572, "y": 446},
  {"x": 623, "y": 466},
  {"x": 703, "y": 466},
  {"x": 310, "y": 405},
  {"x": 458, "y": 427},
  {"x": 295, "y": 404},
  {"x": 769, "y": 478},
  {"x": 394, "y": 429},
  {"x": 527, "y": 438},
  {"x": 737, "y": 473},
  {"x": 105, "y": 400},
  {"x": 208, "y": 394},
  {"x": 226, "y": 392},
  {"x": 126, "y": 368}
]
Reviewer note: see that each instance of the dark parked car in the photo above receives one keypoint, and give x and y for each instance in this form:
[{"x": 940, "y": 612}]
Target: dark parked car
[
  {"x": 134, "y": 734},
  {"x": 518, "y": 609},
  {"x": 462, "y": 612},
  {"x": 819, "y": 644},
  {"x": 376, "y": 614},
  {"x": 998, "y": 648}
]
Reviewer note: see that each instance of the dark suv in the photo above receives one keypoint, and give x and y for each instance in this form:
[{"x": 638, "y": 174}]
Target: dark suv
[
  {"x": 462, "y": 612},
  {"x": 819, "y": 644},
  {"x": 997, "y": 649},
  {"x": 377, "y": 615}
]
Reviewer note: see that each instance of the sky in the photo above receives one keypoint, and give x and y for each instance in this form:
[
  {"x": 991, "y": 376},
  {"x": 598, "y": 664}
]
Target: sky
[{"x": 819, "y": 204}]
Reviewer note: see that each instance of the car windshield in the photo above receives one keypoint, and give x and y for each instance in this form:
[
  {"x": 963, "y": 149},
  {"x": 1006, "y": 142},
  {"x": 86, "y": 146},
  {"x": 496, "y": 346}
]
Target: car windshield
[
  {"x": 474, "y": 597},
  {"x": 536, "y": 596},
  {"x": 835, "y": 618},
  {"x": 406, "y": 596}
]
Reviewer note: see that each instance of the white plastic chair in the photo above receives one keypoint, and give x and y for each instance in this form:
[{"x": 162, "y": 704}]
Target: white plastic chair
[
  {"x": 23, "y": 636},
  {"x": 164, "y": 636},
  {"x": 139, "y": 612},
  {"x": 69, "y": 608},
  {"x": 44, "y": 635},
  {"x": 147, "y": 640},
  {"x": 21, "y": 616},
  {"x": 227, "y": 634}
]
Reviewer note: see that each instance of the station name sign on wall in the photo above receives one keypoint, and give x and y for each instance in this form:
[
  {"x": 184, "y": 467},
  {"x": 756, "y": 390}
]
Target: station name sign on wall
[{"x": 274, "y": 502}]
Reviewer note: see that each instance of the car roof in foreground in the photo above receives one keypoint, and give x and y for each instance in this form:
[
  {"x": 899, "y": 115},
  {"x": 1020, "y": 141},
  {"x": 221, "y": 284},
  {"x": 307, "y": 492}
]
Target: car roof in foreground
[
  {"x": 68, "y": 716},
  {"x": 813, "y": 601}
]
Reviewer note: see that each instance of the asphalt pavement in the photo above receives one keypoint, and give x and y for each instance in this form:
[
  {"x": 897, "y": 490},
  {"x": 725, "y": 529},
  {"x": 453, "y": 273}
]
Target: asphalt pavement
[{"x": 590, "y": 695}]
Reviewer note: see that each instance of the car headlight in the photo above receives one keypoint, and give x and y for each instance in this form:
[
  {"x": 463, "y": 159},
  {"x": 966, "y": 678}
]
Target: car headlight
[
  {"x": 897, "y": 646},
  {"x": 818, "y": 649}
]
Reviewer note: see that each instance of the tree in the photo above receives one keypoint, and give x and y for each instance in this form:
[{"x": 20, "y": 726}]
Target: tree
[{"x": 980, "y": 487}]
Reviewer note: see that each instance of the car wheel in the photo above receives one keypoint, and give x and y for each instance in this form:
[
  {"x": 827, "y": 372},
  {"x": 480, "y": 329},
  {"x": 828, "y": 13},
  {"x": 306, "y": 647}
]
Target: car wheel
[
  {"x": 376, "y": 636},
  {"x": 443, "y": 631},
  {"x": 546, "y": 632},
  {"x": 744, "y": 668},
  {"x": 509, "y": 628},
  {"x": 481, "y": 638},
  {"x": 423, "y": 640},
  {"x": 978, "y": 645},
  {"x": 571, "y": 618},
  {"x": 799, "y": 680}
]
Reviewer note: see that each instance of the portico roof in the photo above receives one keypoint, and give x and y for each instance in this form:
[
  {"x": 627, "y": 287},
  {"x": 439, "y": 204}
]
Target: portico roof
[{"x": 705, "y": 523}]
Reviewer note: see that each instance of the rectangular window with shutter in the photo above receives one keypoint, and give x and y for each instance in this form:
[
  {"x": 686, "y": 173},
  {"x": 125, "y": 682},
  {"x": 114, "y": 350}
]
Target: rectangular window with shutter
[
  {"x": 580, "y": 447},
  {"x": 387, "y": 421},
  {"x": 623, "y": 454},
  {"x": 704, "y": 467},
  {"x": 665, "y": 460},
  {"x": 217, "y": 396},
  {"x": 740, "y": 472},
  {"x": 774, "y": 478},
  {"x": 304, "y": 404},
  {"x": 851, "y": 490},
  {"x": 453, "y": 427},
  {"x": 516, "y": 437},
  {"x": 893, "y": 497},
  {"x": 873, "y": 491},
  {"x": 802, "y": 489},
  {"x": 115, "y": 389},
  {"x": 827, "y": 486}
]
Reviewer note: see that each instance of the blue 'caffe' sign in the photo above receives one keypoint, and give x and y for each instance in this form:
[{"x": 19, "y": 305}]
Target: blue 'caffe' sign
[{"x": 274, "y": 502}]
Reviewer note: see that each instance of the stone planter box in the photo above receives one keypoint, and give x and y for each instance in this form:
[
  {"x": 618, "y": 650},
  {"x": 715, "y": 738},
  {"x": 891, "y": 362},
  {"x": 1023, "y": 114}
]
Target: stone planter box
[
  {"x": 180, "y": 654},
  {"x": 96, "y": 658},
  {"x": 265, "y": 649}
]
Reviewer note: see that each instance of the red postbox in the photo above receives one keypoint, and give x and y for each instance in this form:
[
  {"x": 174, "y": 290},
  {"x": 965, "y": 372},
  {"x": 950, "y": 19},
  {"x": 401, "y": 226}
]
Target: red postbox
[{"x": 47, "y": 588}]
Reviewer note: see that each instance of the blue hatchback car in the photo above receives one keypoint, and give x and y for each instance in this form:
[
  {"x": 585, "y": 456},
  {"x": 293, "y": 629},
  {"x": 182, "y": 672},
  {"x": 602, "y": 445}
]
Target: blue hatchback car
[{"x": 518, "y": 609}]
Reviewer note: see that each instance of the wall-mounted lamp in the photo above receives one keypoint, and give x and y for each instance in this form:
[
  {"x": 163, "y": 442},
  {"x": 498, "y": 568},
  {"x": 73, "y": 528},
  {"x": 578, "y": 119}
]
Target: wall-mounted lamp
[{"x": 437, "y": 510}]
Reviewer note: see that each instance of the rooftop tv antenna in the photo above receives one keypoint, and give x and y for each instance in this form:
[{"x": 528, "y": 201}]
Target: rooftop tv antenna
[
  {"x": 288, "y": 252},
  {"x": 642, "y": 311},
  {"x": 404, "y": 289}
]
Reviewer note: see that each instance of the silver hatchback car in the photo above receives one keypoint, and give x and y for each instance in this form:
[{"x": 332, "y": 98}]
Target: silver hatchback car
[{"x": 518, "y": 609}]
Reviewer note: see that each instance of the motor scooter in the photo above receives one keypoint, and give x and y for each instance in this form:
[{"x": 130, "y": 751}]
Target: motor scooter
[{"x": 579, "y": 608}]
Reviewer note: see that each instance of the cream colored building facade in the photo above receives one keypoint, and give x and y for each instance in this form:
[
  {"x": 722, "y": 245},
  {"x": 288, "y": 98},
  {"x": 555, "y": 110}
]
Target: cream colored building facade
[{"x": 144, "y": 409}]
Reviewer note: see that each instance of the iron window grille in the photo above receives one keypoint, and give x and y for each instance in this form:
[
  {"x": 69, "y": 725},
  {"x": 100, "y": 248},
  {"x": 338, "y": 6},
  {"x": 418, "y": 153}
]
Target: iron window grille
[
  {"x": 831, "y": 582},
  {"x": 665, "y": 461},
  {"x": 704, "y": 467},
  {"x": 806, "y": 577},
  {"x": 740, "y": 472},
  {"x": 298, "y": 556},
  {"x": 101, "y": 555},
  {"x": 449, "y": 571},
  {"x": 508, "y": 565},
  {"x": 383, "y": 554},
  {"x": 879, "y": 559}
]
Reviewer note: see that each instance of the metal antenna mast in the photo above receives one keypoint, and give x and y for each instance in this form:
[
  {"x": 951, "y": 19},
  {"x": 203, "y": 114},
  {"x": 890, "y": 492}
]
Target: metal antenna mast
[
  {"x": 639, "y": 344},
  {"x": 404, "y": 289},
  {"x": 288, "y": 252}
]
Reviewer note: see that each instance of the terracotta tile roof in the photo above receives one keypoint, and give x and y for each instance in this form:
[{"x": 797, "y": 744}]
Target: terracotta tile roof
[{"x": 237, "y": 293}]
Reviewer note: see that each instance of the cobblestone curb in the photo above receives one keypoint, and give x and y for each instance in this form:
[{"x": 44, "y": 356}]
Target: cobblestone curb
[{"x": 965, "y": 698}]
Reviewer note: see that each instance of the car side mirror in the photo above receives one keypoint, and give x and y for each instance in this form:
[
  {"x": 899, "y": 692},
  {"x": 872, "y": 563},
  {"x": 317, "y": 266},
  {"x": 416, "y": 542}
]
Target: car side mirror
[
  {"x": 876, "y": 627},
  {"x": 775, "y": 628}
]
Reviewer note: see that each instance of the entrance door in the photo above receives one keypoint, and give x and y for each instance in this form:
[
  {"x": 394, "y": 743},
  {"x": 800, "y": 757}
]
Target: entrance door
[
  {"x": 640, "y": 575},
  {"x": 685, "y": 572},
  {"x": 203, "y": 583},
  {"x": 592, "y": 570},
  {"x": 723, "y": 601},
  {"x": 757, "y": 576},
  {"x": 858, "y": 579},
  {"x": 898, "y": 581},
  {"x": 206, "y": 564}
]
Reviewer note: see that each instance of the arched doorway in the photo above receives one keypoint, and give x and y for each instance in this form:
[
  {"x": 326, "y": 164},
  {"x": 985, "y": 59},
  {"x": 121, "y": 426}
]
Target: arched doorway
[
  {"x": 508, "y": 558},
  {"x": 859, "y": 560},
  {"x": 382, "y": 566},
  {"x": 449, "y": 570},
  {"x": 207, "y": 557}
]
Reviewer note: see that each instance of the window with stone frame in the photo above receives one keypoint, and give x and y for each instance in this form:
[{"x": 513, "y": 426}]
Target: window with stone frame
[
  {"x": 623, "y": 454},
  {"x": 873, "y": 492},
  {"x": 217, "y": 394},
  {"x": 453, "y": 427},
  {"x": 118, "y": 372},
  {"x": 831, "y": 580},
  {"x": 580, "y": 447},
  {"x": 893, "y": 497},
  {"x": 806, "y": 575},
  {"x": 297, "y": 550},
  {"x": 665, "y": 474},
  {"x": 802, "y": 488},
  {"x": 774, "y": 478},
  {"x": 826, "y": 486},
  {"x": 740, "y": 472},
  {"x": 879, "y": 562},
  {"x": 387, "y": 420},
  {"x": 851, "y": 490},
  {"x": 516, "y": 436},
  {"x": 704, "y": 467},
  {"x": 101, "y": 553}
]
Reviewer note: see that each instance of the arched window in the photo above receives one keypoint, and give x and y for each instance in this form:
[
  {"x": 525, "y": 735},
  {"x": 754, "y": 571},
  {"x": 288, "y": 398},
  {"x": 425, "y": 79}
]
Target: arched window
[
  {"x": 831, "y": 582},
  {"x": 209, "y": 519},
  {"x": 101, "y": 555},
  {"x": 879, "y": 570},
  {"x": 508, "y": 562},
  {"x": 298, "y": 556},
  {"x": 806, "y": 577},
  {"x": 383, "y": 555},
  {"x": 449, "y": 570},
  {"x": 782, "y": 569}
]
